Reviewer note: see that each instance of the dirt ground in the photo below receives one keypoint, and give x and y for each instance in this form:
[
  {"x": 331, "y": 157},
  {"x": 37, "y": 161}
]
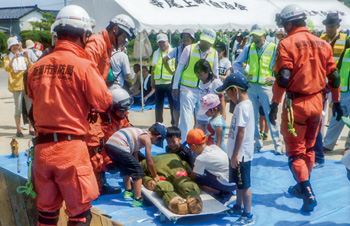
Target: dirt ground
[{"x": 138, "y": 119}]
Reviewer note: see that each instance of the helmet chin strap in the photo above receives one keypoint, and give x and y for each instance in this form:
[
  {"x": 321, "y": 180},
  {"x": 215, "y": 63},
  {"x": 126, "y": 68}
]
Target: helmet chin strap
[{"x": 116, "y": 38}]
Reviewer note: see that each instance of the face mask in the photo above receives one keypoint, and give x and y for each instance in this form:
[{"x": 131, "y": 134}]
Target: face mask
[{"x": 237, "y": 95}]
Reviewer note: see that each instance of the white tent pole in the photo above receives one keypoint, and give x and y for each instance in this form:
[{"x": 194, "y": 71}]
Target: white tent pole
[
  {"x": 141, "y": 79},
  {"x": 169, "y": 38}
]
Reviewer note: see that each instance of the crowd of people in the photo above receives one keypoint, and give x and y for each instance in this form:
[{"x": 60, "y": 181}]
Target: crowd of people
[{"x": 78, "y": 93}]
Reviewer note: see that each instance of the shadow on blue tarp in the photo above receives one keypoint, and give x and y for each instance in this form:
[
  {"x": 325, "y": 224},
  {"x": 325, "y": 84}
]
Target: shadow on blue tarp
[{"x": 271, "y": 206}]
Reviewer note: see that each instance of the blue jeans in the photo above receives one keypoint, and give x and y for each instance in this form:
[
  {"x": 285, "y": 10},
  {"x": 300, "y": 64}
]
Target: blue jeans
[{"x": 318, "y": 148}]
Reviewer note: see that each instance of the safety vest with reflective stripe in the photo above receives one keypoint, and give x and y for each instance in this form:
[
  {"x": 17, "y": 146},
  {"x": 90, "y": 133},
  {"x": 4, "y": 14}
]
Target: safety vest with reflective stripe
[
  {"x": 160, "y": 72},
  {"x": 188, "y": 77},
  {"x": 339, "y": 46},
  {"x": 345, "y": 72},
  {"x": 259, "y": 68}
]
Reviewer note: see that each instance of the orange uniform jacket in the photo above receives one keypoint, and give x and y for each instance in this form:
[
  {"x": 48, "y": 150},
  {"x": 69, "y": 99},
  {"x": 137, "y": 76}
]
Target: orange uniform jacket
[
  {"x": 310, "y": 60},
  {"x": 63, "y": 86},
  {"x": 116, "y": 125},
  {"x": 100, "y": 49}
]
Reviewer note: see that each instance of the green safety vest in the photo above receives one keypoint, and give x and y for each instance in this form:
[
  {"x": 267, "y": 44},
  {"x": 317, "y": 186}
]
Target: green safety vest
[
  {"x": 259, "y": 68},
  {"x": 188, "y": 77},
  {"x": 160, "y": 72},
  {"x": 345, "y": 72}
]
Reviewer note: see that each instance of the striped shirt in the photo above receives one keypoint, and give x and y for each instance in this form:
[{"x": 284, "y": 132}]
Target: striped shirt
[{"x": 127, "y": 139}]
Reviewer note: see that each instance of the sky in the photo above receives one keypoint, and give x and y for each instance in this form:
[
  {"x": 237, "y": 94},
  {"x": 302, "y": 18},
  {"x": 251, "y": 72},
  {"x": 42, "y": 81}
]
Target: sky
[{"x": 42, "y": 4}]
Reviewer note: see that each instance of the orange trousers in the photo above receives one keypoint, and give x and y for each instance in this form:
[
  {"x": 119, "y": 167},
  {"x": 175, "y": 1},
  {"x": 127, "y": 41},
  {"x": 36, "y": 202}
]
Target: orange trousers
[
  {"x": 307, "y": 120},
  {"x": 63, "y": 171}
]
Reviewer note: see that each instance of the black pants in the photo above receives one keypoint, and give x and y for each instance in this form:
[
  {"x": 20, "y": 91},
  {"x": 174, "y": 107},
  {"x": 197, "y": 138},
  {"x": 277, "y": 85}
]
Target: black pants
[{"x": 161, "y": 91}]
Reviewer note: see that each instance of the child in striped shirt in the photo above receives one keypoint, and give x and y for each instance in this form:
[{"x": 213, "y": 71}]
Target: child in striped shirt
[{"x": 123, "y": 148}]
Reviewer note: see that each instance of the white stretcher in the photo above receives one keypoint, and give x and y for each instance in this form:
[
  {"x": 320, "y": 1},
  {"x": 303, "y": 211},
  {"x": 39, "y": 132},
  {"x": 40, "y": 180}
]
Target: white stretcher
[{"x": 210, "y": 206}]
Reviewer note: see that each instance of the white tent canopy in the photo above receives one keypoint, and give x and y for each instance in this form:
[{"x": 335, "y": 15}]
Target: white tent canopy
[
  {"x": 172, "y": 15},
  {"x": 317, "y": 10}
]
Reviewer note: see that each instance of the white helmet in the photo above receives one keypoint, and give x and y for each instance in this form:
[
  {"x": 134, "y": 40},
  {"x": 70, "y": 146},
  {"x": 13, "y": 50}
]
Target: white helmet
[
  {"x": 121, "y": 99},
  {"x": 290, "y": 13},
  {"x": 72, "y": 17},
  {"x": 12, "y": 41},
  {"x": 125, "y": 23}
]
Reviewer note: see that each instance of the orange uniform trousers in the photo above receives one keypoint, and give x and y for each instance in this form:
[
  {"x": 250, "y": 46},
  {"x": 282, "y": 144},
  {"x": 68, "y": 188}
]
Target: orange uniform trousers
[
  {"x": 307, "y": 119},
  {"x": 63, "y": 171}
]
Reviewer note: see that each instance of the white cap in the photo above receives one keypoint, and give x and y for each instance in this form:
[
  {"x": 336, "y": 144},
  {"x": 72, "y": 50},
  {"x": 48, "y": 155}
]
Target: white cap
[
  {"x": 208, "y": 35},
  {"x": 12, "y": 41},
  {"x": 29, "y": 44},
  {"x": 162, "y": 37},
  {"x": 258, "y": 30}
]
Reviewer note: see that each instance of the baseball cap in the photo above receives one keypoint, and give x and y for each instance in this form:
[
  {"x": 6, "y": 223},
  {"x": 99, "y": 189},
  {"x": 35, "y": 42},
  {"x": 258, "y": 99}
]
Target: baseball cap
[
  {"x": 161, "y": 129},
  {"x": 208, "y": 35},
  {"x": 162, "y": 37},
  {"x": 188, "y": 31},
  {"x": 257, "y": 30},
  {"x": 220, "y": 46},
  {"x": 196, "y": 136},
  {"x": 235, "y": 79},
  {"x": 208, "y": 102}
]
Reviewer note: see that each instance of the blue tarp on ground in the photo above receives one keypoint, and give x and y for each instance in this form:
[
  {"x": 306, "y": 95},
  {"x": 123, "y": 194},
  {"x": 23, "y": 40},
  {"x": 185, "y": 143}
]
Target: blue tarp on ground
[{"x": 271, "y": 205}]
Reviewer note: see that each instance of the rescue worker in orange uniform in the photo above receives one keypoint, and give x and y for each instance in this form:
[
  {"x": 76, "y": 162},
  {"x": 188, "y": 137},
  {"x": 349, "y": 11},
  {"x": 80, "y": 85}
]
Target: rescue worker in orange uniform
[
  {"x": 100, "y": 47},
  {"x": 119, "y": 120},
  {"x": 63, "y": 86},
  {"x": 304, "y": 62}
]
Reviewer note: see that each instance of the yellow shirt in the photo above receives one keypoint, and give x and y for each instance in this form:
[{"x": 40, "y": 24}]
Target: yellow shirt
[{"x": 15, "y": 81}]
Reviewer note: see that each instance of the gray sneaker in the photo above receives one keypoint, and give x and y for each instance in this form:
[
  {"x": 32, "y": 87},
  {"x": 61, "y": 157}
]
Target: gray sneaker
[
  {"x": 318, "y": 165},
  {"x": 244, "y": 220}
]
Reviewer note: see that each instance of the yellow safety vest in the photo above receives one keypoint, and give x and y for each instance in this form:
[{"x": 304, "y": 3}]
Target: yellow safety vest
[
  {"x": 188, "y": 77},
  {"x": 160, "y": 72},
  {"x": 345, "y": 72},
  {"x": 339, "y": 45},
  {"x": 259, "y": 68}
]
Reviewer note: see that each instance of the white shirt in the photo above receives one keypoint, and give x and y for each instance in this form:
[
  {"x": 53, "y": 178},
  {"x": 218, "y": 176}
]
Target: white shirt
[
  {"x": 243, "y": 116},
  {"x": 206, "y": 89},
  {"x": 185, "y": 56},
  {"x": 120, "y": 66},
  {"x": 215, "y": 161},
  {"x": 224, "y": 65},
  {"x": 154, "y": 62}
]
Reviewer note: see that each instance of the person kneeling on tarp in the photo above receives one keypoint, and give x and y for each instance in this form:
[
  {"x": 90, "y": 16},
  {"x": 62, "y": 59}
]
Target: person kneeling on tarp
[
  {"x": 180, "y": 194},
  {"x": 123, "y": 148},
  {"x": 210, "y": 167}
]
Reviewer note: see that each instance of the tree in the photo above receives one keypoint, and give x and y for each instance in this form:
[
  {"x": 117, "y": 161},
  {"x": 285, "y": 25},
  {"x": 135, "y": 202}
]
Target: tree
[
  {"x": 3, "y": 42},
  {"x": 45, "y": 23}
]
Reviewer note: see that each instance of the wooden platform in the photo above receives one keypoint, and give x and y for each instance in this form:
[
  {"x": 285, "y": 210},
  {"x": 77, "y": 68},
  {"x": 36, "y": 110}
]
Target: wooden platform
[{"x": 20, "y": 209}]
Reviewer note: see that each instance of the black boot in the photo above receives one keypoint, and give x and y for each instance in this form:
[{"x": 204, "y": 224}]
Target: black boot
[
  {"x": 106, "y": 189},
  {"x": 296, "y": 191},
  {"x": 309, "y": 197}
]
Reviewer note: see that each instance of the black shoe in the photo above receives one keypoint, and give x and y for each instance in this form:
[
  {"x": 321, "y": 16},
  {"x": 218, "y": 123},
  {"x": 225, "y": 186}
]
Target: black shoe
[
  {"x": 19, "y": 134},
  {"x": 309, "y": 204},
  {"x": 109, "y": 190},
  {"x": 295, "y": 191}
]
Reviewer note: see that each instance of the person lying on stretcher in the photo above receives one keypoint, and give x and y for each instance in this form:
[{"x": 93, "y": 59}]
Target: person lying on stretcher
[{"x": 179, "y": 193}]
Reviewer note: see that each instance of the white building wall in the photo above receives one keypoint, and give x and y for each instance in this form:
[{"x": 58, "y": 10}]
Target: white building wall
[{"x": 24, "y": 22}]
